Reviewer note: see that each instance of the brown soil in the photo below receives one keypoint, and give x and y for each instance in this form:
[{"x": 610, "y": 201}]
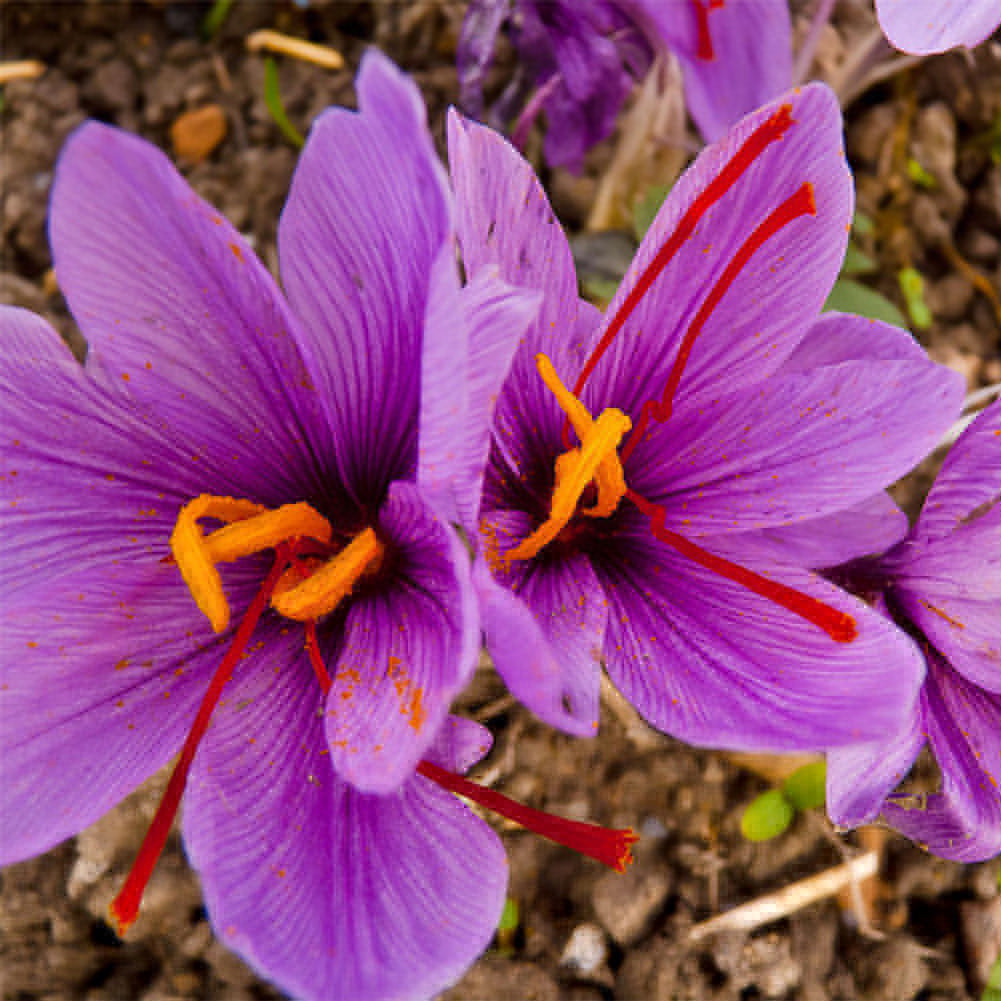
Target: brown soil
[{"x": 928, "y": 929}]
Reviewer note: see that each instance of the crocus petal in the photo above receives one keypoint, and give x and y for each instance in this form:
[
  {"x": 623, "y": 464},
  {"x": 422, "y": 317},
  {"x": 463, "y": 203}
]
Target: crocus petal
[
  {"x": 332, "y": 893},
  {"x": 547, "y": 654},
  {"x": 475, "y": 50},
  {"x": 860, "y": 777},
  {"x": 158, "y": 282},
  {"x": 963, "y": 722},
  {"x": 713, "y": 663},
  {"x": 865, "y": 529},
  {"x": 952, "y": 591},
  {"x": 838, "y": 337},
  {"x": 406, "y": 650},
  {"x": 776, "y": 295},
  {"x": 366, "y": 216},
  {"x": 795, "y": 446},
  {"x": 504, "y": 221},
  {"x": 574, "y": 54},
  {"x": 460, "y": 379},
  {"x": 923, "y": 27},
  {"x": 969, "y": 482},
  {"x": 748, "y": 61}
]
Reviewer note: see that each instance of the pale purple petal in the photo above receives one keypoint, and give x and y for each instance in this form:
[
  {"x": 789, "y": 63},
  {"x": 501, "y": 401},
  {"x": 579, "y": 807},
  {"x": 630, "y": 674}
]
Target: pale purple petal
[
  {"x": 403, "y": 651},
  {"x": 470, "y": 337},
  {"x": 969, "y": 483},
  {"x": 865, "y": 529},
  {"x": 713, "y": 663},
  {"x": 795, "y": 446},
  {"x": 963, "y": 723},
  {"x": 951, "y": 590},
  {"x": 923, "y": 27},
  {"x": 333, "y": 894},
  {"x": 366, "y": 217},
  {"x": 505, "y": 222},
  {"x": 546, "y": 655},
  {"x": 838, "y": 337},
  {"x": 475, "y": 50},
  {"x": 159, "y": 282},
  {"x": 860, "y": 777},
  {"x": 748, "y": 60},
  {"x": 776, "y": 295}
]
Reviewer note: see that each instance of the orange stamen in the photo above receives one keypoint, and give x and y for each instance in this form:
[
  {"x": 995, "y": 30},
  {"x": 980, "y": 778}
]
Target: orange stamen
[
  {"x": 125, "y": 907},
  {"x": 606, "y": 845}
]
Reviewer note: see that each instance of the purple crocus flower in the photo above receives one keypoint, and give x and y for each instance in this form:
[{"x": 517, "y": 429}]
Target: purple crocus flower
[
  {"x": 580, "y": 59},
  {"x": 223, "y": 449},
  {"x": 942, "y": 583},
  {"x": 724, "y": 409},
  {"x": 924, "y": 27}
]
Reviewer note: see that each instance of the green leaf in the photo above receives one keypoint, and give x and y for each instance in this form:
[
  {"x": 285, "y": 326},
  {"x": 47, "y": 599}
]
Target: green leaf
[
  {"x": 849, "y": 296},
  {"x": 647, "y": 208},
  {"x": 805, "y": 788},
  {"x": 862, "y": 225},
  {"x": 913, "y": 287},
  {"x": 767, "y": 816},
  {"x": 273, "y": 99},
  {"x": 917, "y": 173},
  {"x": 992, "y": 992},
  {"x": 214, "y": 19},
  {"x": 599, "y": 291},
  {"x": 857, "y": 262},
  {"x": 510, "y": 917}
]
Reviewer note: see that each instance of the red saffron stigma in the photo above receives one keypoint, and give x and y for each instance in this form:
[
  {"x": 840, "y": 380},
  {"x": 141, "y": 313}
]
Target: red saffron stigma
[
  {"x": 801, "y": 203},
  {"x": 840, "y": 626},
  {"x": 771, "y": 130},
  {"x": 704, "y": 45},
  {"x": 316, "y": 658},
  {"x": 606, "y": 845},
  {"x": 125, "y": 907}
]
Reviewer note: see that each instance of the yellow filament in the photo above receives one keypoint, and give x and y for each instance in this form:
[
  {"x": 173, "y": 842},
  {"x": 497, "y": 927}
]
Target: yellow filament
[
  {"x": 249, "y": 528},
  {"x": 323, "y": 590},
  {"x": 596, "y": 460}
]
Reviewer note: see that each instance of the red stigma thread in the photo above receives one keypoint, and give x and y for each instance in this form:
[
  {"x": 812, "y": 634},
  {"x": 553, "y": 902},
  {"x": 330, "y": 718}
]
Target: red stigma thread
[
  {"x": 770, "y": 130},
  {"x": 606, "y": 845},
  {"x": 125, "y": 907},
  {"x": 840, "y": 626},
  {"x": 704, "y": 44},
  {"x": 801, "y": 203}
]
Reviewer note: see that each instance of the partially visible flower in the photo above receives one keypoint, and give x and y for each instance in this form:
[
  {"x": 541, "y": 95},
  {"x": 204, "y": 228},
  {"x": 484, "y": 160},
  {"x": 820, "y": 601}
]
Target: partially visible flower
[
  {"x": 942, "y": 583},
  {"x": 638, "y": 457},
  {"x": 580, "y": 59},
  {"x": 924, "y": 27},
  {"x": 224, "y": 450}
]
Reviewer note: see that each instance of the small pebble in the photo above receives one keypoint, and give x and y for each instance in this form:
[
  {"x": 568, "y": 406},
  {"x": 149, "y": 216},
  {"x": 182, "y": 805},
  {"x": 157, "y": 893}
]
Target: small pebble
[
  {"x": 195, "y": 134},
  {"x": 586, "y": 949}
]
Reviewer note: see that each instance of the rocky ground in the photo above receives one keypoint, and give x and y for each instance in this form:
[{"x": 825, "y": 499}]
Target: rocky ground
[{"x": 922, "y": 929}]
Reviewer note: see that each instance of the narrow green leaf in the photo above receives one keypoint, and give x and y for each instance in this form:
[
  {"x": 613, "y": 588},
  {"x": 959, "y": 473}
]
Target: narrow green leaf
[
  {"x": 647, "y": 208},
  {"x": 921, "y": 177},
  {"x": 857, "y": 262},
  {"x": 849, "y": 296},
  {"x": 913, "y": 287},
  {"x": 510, "y": 917},
  {"x": 767, "y": 816},
  {"x": 992, "y": 992},
  {"x": 862, "y": 224},
  {"x": 273, "y": 99},
  {"x": 805, "y": 788},
  {"x": 214, "y": 19}
]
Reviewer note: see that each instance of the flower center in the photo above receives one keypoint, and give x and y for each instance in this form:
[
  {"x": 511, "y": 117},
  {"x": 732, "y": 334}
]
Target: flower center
[
  {"x": 308, "y": 579},
  {"x": 595, "y": 461},
  {"x": 307, "y": 589}
]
